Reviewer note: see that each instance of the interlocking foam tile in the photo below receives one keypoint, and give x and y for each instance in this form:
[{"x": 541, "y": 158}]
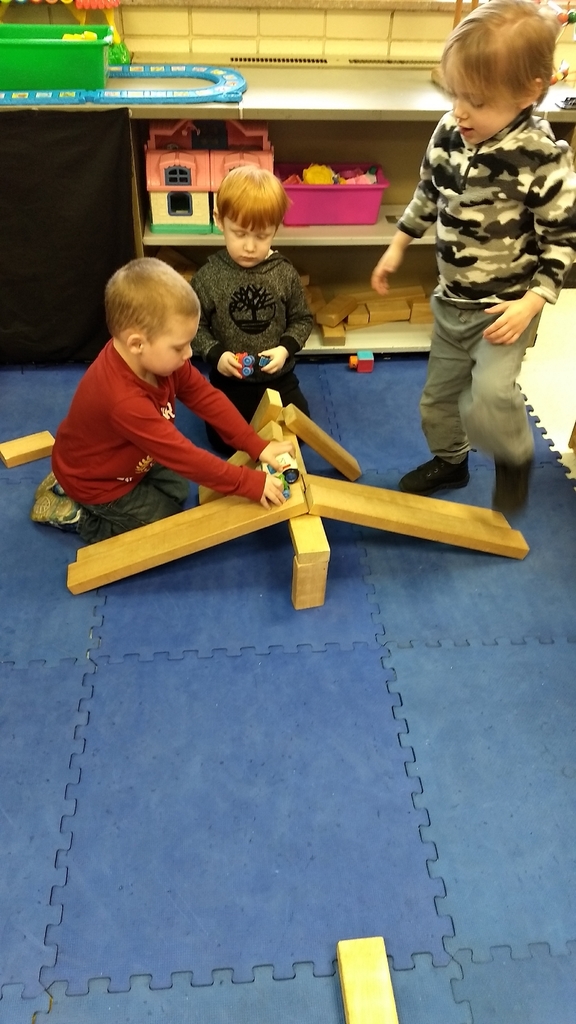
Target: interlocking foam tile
[
  {"x": 240, "y": 811},
  {"x": 38, "y": 717},
  {"x": 238, "y": 595},
  {"x": 376, "y": 415},
  {"x": 422, "y": 996},
  {"x": 428, "y": 591},
  {"x": 41, "y": 620},
  {"x": 536, "y": 990},
  {"x": 493, "y": 731},
  {"x": 304, "y": 998},
  {"x": 16, "y": 1010}
]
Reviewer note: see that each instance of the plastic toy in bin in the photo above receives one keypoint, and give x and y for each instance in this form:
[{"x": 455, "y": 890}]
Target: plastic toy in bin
[{"x": 353, "y": 196}]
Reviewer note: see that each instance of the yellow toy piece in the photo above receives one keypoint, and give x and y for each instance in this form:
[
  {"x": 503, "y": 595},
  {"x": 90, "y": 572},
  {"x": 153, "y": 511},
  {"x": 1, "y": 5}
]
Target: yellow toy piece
[
  {"x": 318, "y": 174},
  {"x": 82, "y": 36}
]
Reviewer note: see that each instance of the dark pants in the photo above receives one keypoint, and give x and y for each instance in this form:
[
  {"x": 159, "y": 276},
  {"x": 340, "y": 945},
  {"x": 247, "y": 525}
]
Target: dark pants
[
  {"x": 245, "y": 396},
  {"x": 160, "y": 493}
]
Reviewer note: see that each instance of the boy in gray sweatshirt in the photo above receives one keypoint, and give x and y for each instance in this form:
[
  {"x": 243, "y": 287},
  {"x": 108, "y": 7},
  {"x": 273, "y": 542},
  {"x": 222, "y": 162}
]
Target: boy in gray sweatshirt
[{"x": 252, "y": 300}]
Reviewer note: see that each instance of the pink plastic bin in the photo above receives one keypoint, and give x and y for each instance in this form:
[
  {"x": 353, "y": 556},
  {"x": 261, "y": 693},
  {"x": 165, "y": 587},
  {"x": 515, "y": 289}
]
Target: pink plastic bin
[{"x": 332, "y": 204}]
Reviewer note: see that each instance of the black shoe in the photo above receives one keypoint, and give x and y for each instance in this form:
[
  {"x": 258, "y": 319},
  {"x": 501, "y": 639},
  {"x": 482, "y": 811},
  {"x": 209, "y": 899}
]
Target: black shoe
[
  {"x": 511, "y": 488},
  {"x": 435, "y": 475}
]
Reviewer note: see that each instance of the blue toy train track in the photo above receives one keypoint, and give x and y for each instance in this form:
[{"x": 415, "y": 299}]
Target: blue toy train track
[{"x": 222, "y": 85}]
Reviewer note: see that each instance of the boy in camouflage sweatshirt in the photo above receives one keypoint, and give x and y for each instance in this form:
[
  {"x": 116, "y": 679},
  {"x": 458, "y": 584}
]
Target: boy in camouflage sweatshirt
[
  {"x": 502, "y": 195},
  {"x": 252, "y": 299}
]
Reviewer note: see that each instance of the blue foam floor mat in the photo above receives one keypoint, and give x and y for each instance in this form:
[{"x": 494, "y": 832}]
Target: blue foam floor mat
[
  {"x": 193, "y": 814},
  {"x": 499, "y": 722},
  {"x": 38, "y": 717},
  {"x": 503, "y": 942},
  {"x": 429, "y": 591}
]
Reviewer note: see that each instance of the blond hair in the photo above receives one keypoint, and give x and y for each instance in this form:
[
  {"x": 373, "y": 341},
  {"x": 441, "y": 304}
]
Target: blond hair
[
  {"x": 252, "y": 197},
  {"x": 142, "y": 296},
  {"x": 502, "y": 46}
]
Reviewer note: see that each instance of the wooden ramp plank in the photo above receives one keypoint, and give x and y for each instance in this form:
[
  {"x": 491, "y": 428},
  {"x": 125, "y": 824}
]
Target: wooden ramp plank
[
  {"x": 194, "y": 530},
  {"x": 26, "y": 449},
  {"x": 464, "y": 526},
  {"x": 321, "y": 442},
  {"x": 365, "y": 982}
]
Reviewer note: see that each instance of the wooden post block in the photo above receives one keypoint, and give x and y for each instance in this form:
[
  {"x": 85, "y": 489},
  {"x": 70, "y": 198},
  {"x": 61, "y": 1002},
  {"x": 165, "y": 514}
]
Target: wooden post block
[
  {"x": 269, "y": 409},
  {"x": 309, "y": 539},
  {"x": 572, "y": 441},
  {"x": 384, "y": 311},
  {"x": 271, "y": 431},
  {"x": 304, "y": 280},
  {"x": 421, "y": 312},
  {"x": 314, "y": 298},
  {"x": 26, "y": 449},
  {"x": 336, "y": 310},
  {"x": 360, "y": 317},
  {"x": 321, "y": 442},
  {"x": 308, "y": 584},
  {"x": 334, "y": 335},
  {"x": 465, "y": 526},
  {"x": 194, "y": 530},
  {"x": 365, "y": 982}
]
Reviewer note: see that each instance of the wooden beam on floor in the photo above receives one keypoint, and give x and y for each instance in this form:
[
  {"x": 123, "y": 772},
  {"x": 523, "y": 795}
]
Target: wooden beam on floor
[
  {"x": 447, "y": 522},
  {"x": 365, "y": 982},
  {"x": 321, "y": 442},
  {"x": 26, "y": 449},
  {"x": 194, "y": 530}
]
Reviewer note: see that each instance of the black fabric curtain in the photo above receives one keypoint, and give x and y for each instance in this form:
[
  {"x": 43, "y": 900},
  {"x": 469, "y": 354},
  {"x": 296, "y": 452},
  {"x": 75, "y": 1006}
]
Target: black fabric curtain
[{"x": 65, "y": 227}]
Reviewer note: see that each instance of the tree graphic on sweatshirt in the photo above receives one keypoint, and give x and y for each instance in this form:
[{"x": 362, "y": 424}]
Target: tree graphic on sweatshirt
[{"x": 252, "y": 308}]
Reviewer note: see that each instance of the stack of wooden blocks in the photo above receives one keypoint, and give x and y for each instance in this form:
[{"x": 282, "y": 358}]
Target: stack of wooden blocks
[{"x": 365, "y": 308}]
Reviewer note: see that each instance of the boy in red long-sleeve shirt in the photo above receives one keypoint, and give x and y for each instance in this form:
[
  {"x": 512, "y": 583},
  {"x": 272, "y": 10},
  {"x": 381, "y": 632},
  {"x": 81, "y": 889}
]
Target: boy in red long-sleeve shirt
[{"x": 118, "y": 460}]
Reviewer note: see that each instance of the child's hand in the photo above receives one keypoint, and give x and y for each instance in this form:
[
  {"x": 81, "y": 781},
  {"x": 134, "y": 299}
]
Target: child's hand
[
  {"x": 273, "y": 449},
  {"x": 229, "y": 366},
  {"x": 514, "y": 319},
  {"x": 272, "y": 492},
  {"x": 277, "y": 357},
  {"x": 389, "y": 262}
]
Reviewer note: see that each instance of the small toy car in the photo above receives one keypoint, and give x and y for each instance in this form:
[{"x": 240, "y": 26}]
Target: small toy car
[{"x": 248, "y": 362}]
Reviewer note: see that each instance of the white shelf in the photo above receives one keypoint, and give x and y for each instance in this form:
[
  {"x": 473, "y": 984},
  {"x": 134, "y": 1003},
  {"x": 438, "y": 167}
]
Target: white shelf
[
  {"x": 389, "y": 338},
  {"x": 379, "y": 233}
]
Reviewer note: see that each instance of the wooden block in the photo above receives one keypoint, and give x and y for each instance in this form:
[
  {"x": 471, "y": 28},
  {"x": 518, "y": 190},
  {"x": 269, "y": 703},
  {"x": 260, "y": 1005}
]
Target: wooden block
[
  {"x": 360, "y": 317},
  {"x": 270, "y": 432},
  {"x": 183, "y": 266},
  {"x": 334, "y": 335},
  {"x": 314, "y": 298},
  {"x": 384, "y": 311},
  {"x": 168, "y": 539},
  {"x": 421, "y": 313},
  {"x": 321, "y": 442},
  {"x": 464, "y": 526},
  {"x": 365, "y": 982},
  {"x": 308, "y": 583},
  {"x": 304, "y": 280},
  {"x": 572, "y": 441},
  {"x": 408, "y": 292},
  {"x": 26, "y": 449},
  {"x": 309, "y": 539},
  {"x": 336, "y": 310},
  {"x": 269, "y": 409}
]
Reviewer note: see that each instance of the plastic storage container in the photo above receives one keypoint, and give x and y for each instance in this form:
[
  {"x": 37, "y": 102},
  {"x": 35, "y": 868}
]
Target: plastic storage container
[
  {"x": 332, "y": 204},
  {"x": 36, "y": 57}
]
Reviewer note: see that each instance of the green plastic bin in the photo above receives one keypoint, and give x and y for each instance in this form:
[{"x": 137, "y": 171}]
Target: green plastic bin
[{"x": 36, "y": 57}]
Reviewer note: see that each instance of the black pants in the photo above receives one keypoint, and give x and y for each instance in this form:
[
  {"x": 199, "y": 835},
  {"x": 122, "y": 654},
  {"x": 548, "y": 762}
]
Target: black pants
[
  {"x": 160, "y": 493},
  {"x": 245, "y": 396}
]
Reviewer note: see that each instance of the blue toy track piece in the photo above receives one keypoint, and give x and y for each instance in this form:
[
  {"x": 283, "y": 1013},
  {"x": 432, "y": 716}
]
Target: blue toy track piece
[{"x": 222, "y": 85}]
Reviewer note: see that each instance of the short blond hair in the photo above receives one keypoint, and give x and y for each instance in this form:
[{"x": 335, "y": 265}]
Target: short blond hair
[
  {"x": 502, "y": 46},
  {"x": 143, "y": 294},
  {"x": 252, "y": 197}
]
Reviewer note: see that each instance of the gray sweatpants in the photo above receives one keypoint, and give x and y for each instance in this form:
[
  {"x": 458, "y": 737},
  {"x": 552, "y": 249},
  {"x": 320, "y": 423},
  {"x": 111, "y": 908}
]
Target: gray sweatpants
[{"x": 471, "y": 398}]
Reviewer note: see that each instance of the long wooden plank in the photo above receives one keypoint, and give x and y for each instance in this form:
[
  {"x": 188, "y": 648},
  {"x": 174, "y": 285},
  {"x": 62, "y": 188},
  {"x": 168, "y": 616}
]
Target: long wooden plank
[
  {"x": 321, "y": 442},
  {"x": 465, "y": 526},
  {"x": 194, "y": 530},
  {"x": 365, "y": 982},
  {"x": 26, "y": 449}
]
